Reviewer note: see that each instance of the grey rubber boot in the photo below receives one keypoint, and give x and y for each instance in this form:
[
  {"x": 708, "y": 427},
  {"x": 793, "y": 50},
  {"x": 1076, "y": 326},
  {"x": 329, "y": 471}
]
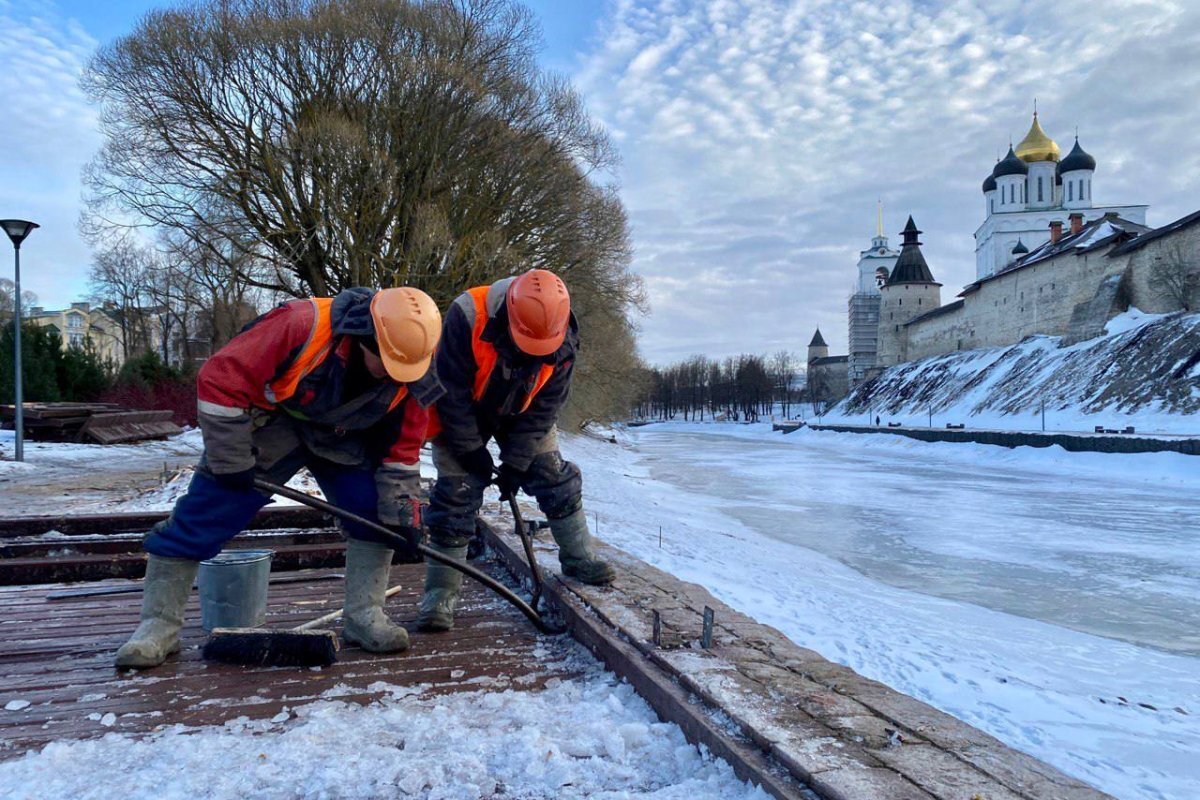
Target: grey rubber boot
[
  {"x": 165, "y": 591},
  {"x": 442, "y": 585},
  {"x": 364, "y": 623},
  {"x": 575, "y": 552}
]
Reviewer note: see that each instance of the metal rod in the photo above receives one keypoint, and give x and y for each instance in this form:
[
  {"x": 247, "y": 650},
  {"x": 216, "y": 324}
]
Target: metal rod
[
  {"x": 527, "y": 542},
  {"x": 707, "y": 631},
  {"x": 18, "y": 388},
  {"x": 396, "y": 540}
]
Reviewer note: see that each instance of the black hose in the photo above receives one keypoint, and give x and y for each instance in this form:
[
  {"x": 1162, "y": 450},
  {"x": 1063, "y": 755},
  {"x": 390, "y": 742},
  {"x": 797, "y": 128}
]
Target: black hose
[{"x": 396, "y": 540}]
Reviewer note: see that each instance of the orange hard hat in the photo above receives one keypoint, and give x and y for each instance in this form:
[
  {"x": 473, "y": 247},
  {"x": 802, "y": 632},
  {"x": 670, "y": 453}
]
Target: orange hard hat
[
  {"x": 407, "y": 328},
  {"x": 539, "y": 311}
]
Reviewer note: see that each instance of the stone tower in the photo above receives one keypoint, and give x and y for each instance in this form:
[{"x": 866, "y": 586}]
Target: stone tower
[
  {"x": 909, "y": 292},
  {"x": 874, "y": 268}
]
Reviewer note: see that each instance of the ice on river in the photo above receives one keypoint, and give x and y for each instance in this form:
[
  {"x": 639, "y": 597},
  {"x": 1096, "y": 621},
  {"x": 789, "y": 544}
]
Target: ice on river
[{"x": 1049, "y": 598}]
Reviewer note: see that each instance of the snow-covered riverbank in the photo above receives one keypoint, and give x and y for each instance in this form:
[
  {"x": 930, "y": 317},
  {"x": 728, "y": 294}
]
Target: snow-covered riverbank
[{"x": 1047, "y": 597}]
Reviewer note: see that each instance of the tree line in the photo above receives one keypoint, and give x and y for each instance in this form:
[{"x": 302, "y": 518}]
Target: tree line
[{"x": 744, "y": 387}]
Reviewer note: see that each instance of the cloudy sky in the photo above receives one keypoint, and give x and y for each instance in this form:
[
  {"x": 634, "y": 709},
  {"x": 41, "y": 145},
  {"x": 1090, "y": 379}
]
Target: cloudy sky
[{"x": 756, "y": 135}]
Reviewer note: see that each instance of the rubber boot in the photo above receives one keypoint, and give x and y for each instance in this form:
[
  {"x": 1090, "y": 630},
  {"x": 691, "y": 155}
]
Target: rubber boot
[
  {"x": 575, "y": 552},
  {"x": 165, "y": 591},
  {"x": 442, "y": 584},
  {"x": 364, "y": 623}
]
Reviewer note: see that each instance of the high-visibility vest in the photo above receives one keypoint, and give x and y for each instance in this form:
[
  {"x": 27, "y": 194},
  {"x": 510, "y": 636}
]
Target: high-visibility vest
[
  {"x": 321, "y": 343},
  {"x": 486, "y": 355}
]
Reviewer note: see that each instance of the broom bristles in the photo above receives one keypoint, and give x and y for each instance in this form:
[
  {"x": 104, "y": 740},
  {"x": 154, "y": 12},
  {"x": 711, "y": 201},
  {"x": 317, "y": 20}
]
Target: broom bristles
[{"x": 275, "y": 648}]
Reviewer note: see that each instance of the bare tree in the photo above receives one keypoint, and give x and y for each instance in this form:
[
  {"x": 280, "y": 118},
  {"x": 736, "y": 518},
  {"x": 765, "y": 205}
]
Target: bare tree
[
  {"x": 819, "y": 389},
  {"x": 8, "y": 292},
  {"x": 120, "y": 277},
  {"x": 783, "y": 370},
  {"x": 1175, "y": 277},
  {"x": 338, "y": 143}
]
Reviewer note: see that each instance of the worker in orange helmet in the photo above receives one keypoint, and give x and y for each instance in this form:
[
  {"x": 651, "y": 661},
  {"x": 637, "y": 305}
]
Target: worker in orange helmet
[
  {"x": 505, "y": 359},
  {"x": 340, "y": 385}
]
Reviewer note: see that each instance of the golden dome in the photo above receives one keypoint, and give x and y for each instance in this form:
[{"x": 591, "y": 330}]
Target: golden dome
[{"x": 1037, "y": 146}]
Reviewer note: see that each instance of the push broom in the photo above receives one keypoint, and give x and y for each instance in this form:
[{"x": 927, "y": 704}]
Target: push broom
[{"x": 311, "y": 645}]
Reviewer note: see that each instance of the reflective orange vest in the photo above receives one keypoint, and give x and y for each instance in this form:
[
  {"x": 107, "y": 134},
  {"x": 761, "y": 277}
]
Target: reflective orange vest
[
  {"x": 486, "y": 357},
  {"x": 321, "y": 343}
]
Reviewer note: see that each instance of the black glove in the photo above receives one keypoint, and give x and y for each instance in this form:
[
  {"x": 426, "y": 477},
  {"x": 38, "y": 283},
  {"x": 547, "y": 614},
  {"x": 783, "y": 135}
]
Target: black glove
[
  {"x": 510, "y": 480},
  {"x": 236, "y": 481},
  {"x": 478, "y": 462}
]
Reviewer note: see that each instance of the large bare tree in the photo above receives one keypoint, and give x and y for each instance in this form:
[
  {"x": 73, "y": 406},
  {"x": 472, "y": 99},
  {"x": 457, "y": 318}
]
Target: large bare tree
[
  {"x": 360, "y": 142},
  {"x": 364, "y": 142}
]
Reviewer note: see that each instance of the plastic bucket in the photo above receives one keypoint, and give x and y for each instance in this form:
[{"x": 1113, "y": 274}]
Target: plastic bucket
[{"x": 233, "y": 589}]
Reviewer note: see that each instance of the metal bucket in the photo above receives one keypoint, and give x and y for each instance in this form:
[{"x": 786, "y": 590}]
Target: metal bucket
[{"x": 233, "y": 589}]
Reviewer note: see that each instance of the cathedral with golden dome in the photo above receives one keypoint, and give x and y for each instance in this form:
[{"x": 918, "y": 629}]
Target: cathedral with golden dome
[{"x": 1027, "y": 190}]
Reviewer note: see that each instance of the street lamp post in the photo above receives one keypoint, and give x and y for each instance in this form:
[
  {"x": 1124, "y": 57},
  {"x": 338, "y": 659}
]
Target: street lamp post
[{"x": 17, "y": 230}]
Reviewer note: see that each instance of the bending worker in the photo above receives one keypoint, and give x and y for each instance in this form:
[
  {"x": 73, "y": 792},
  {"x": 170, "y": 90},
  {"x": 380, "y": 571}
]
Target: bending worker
[
  {"x": 339, "y": 385},
  {"x": 505, "y": 360}
]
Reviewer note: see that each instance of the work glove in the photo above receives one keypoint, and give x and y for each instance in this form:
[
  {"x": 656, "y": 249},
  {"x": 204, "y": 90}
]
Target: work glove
[
  {"x": 510, "y": 480},
  {"x": 236, "y": 481},
  {"x": 409, "y": 524},
  {"x": 478, "y": 462}
]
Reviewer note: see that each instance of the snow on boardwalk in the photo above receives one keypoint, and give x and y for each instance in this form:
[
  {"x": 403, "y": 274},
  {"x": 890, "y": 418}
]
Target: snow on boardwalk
[{"x": 493, "y": 708}]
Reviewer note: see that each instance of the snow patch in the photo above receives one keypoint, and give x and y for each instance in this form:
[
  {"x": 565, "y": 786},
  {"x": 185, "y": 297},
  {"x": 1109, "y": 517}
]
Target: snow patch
[{"x": 591, "y": 736}]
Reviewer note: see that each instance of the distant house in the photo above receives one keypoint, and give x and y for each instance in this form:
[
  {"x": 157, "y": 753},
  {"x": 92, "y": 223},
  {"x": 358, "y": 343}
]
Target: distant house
[{"x": 82, "y": 322}]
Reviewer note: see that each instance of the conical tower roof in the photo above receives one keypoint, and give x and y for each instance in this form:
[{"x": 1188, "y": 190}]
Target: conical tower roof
[
  {"x": 818, "y": 340},
  {"x": 1037, "y": 146},
  {"x": 910, "y": 266}
]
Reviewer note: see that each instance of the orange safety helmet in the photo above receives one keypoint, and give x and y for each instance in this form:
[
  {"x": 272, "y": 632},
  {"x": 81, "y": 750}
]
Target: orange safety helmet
[
  {"x": 539, "y": 311},
  {"x": 407, "y": 328}
]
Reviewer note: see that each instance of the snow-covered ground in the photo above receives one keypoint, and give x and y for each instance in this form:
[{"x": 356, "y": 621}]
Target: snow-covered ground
[
  {"x": 1049, "y": 598},
  {"x": 587, "y": 737},
  {"x": 1142, "y": 373}
]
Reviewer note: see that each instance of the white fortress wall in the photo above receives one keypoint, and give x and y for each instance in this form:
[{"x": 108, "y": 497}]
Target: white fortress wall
[{"x": 1182, "y": 245}]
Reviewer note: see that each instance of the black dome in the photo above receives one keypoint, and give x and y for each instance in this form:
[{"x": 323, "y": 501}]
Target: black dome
[
  {"x": 1010, "y": 165},
  {"x": 1078, "y": 158},
  {"x": 989, "y": 184},
  {"x": 1020, "y": 249}
]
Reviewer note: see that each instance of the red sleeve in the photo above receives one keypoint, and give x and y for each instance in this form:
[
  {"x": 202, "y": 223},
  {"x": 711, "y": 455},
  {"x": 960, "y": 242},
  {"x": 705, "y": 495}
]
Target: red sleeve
[
  {"x": 406, "y": 450},
  {"x": 235, "y": 377}
]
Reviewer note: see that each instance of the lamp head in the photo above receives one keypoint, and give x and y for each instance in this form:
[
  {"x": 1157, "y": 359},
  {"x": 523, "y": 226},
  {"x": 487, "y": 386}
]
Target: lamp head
[{"x": 17, "y": 229}]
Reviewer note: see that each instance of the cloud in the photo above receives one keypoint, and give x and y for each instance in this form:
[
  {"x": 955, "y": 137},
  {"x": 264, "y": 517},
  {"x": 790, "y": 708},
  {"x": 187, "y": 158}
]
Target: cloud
[
  {"x": 757, "y": 136},
  {"x": 49, "y": 133}
]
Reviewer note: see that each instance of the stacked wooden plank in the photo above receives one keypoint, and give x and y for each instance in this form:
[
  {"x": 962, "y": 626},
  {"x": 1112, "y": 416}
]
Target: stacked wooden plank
[{"x": 102, "y": 423}]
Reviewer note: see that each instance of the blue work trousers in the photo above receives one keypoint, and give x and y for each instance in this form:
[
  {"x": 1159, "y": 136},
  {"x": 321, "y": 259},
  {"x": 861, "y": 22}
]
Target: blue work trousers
[{"x": 209, "y": 515}]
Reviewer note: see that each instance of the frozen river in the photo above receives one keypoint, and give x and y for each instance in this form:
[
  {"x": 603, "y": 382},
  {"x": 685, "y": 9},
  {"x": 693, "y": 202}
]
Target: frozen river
[
  {"x": 1049, "y": 598},
  {"x": 1097, "y": 553}
]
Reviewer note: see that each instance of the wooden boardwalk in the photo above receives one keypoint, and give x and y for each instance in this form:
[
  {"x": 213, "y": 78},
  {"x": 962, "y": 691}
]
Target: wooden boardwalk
[{"x": 57, "y": 657}]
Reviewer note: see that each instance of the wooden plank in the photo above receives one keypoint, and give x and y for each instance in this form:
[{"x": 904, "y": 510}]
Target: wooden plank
[
  {"x": 61, "y": 663},
  {"x": 129, "y": 426},
  {"x": 72, "y": 568},
  {"x": 274, "y": 516},
  {"x": 39, "y": 547}
]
